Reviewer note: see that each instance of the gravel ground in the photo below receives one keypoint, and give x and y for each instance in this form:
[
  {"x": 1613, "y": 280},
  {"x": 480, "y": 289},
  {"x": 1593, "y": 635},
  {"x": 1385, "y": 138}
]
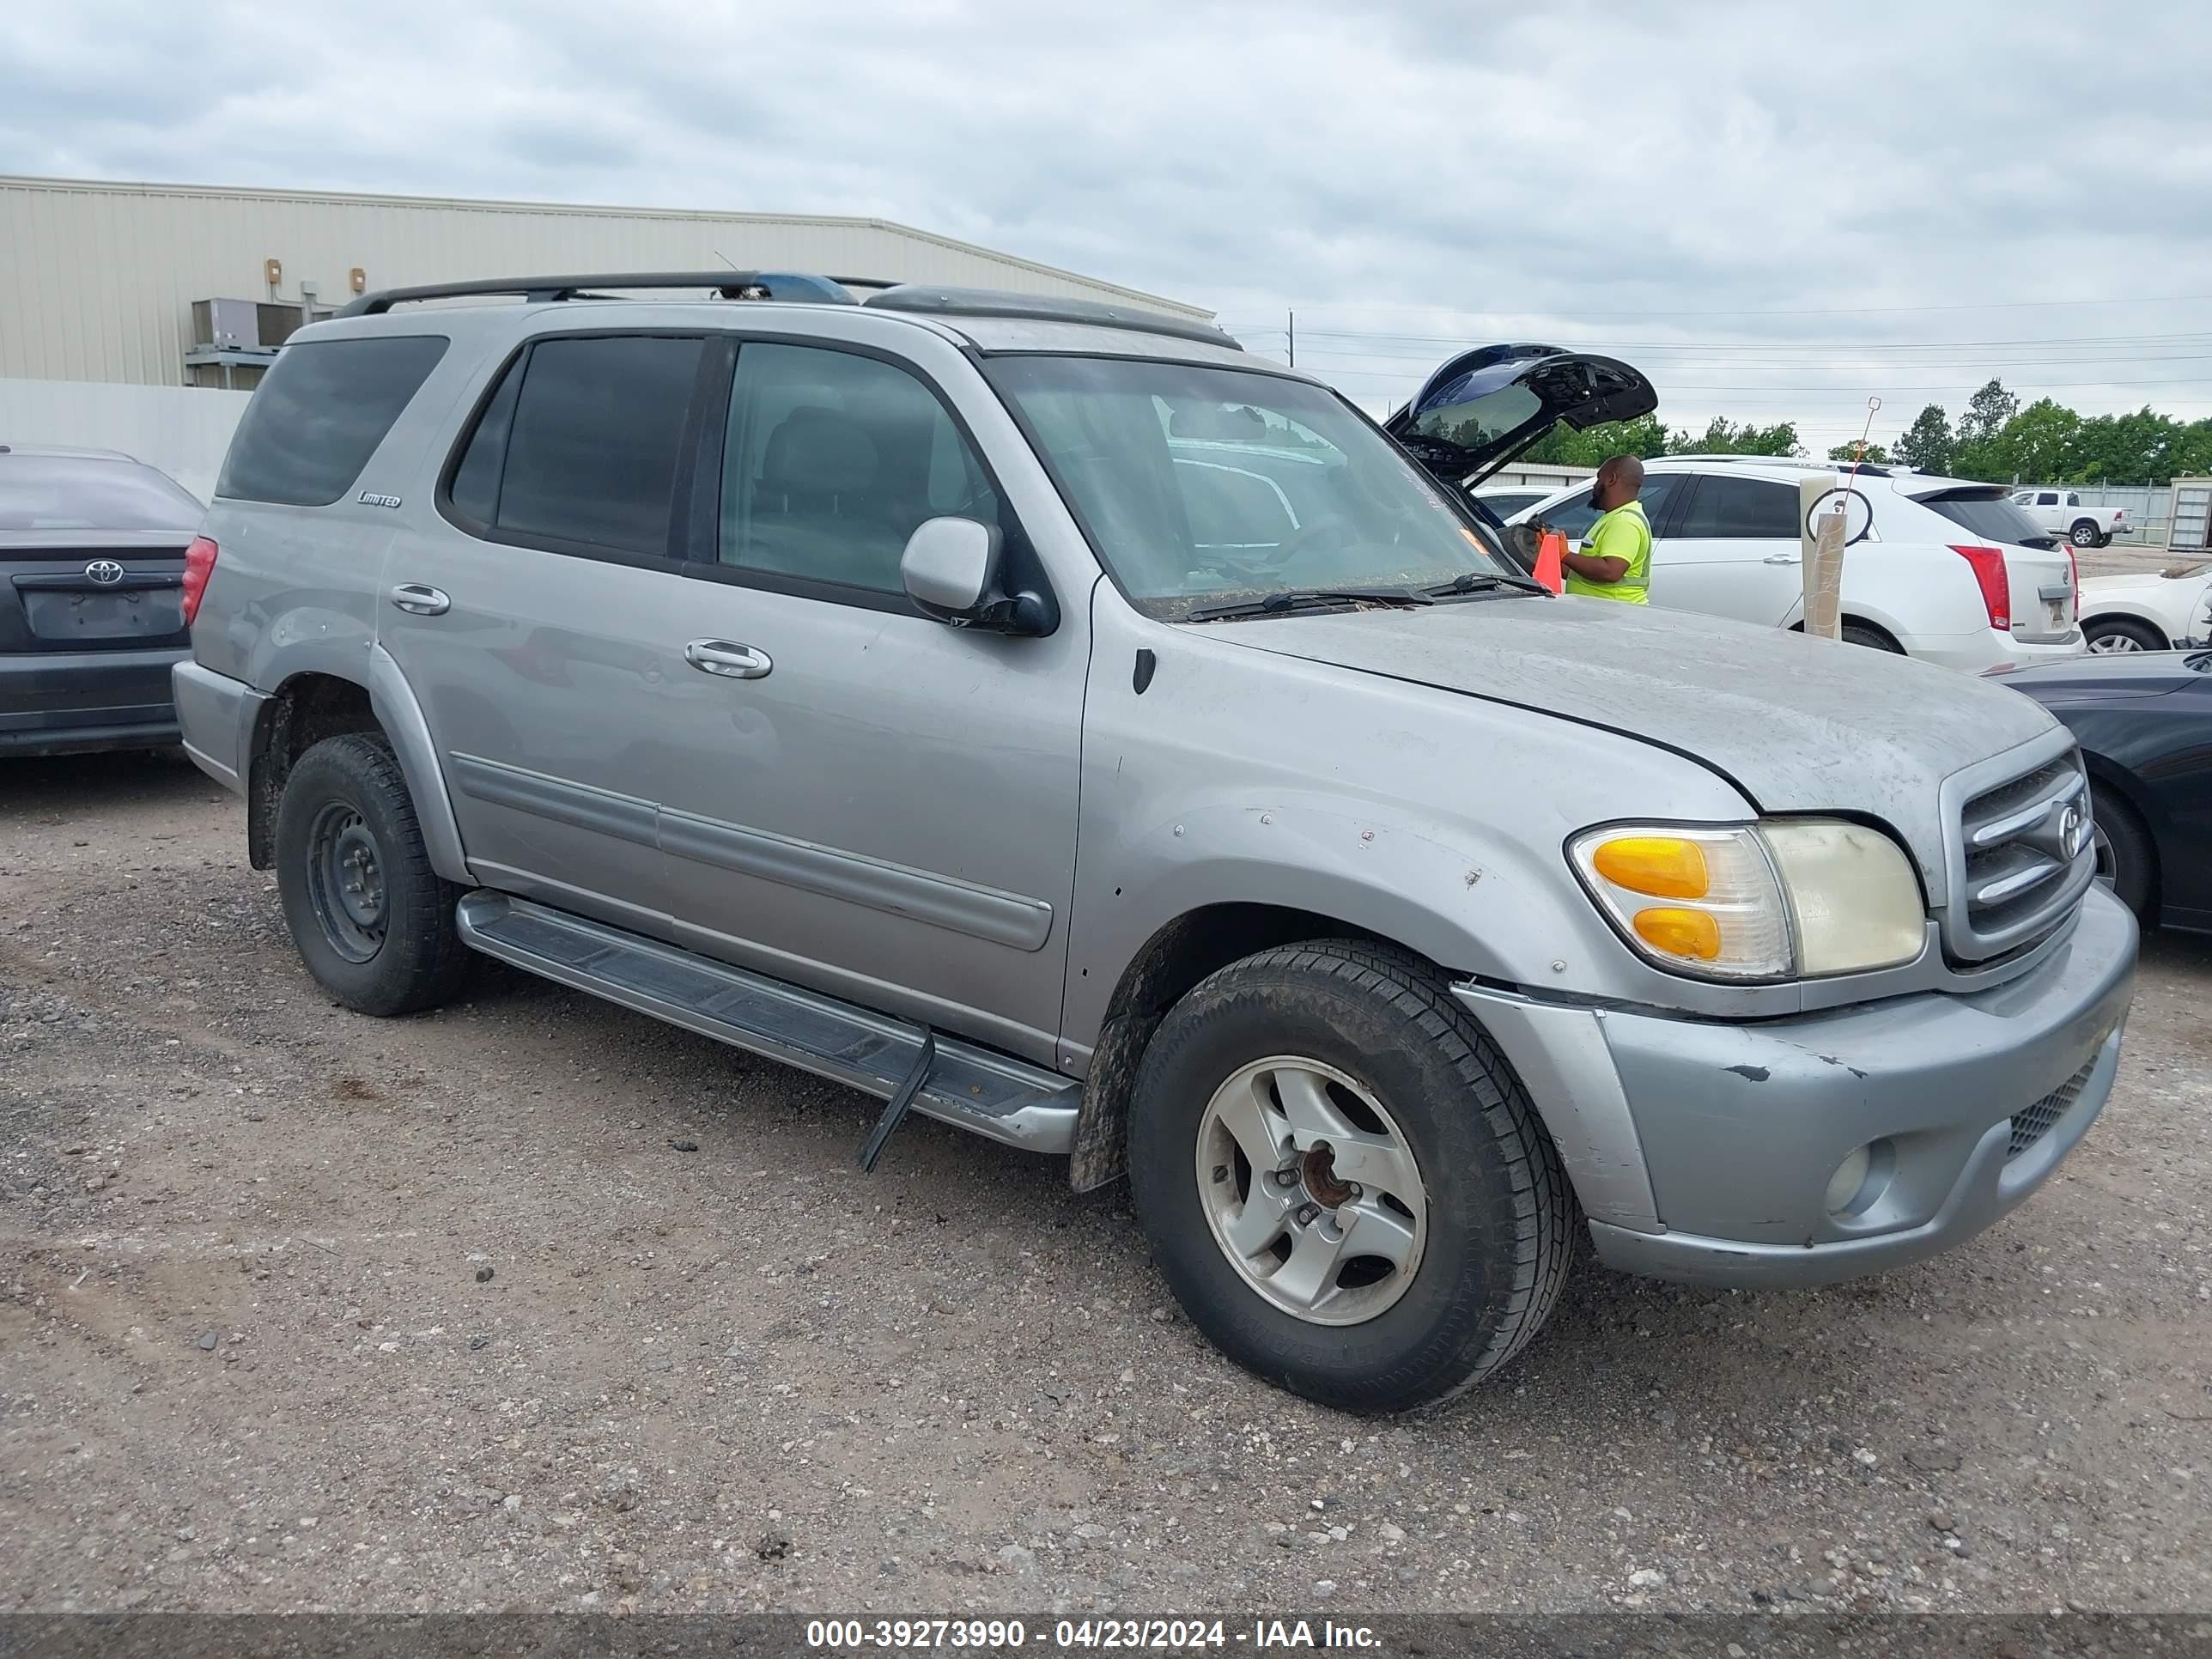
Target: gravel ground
[{"x": 538, "y": 1304}]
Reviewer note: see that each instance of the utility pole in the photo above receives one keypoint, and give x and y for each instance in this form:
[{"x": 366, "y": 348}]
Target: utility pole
[{"x": 1293, "y": 316}]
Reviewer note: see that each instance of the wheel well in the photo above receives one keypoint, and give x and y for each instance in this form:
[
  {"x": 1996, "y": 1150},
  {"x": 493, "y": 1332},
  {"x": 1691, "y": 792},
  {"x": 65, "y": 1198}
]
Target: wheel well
[
  {"x": 1850, "y": 620},
  {"x": 1173, "y": 960},
  {"x": 306, "y": 709}
]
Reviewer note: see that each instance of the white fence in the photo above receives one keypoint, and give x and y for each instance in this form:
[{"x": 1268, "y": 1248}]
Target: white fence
[{"x": 182, "y": 430}]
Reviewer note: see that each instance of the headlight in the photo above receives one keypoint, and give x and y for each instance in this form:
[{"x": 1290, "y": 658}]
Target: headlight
[{"x": 1789, "y": 898}]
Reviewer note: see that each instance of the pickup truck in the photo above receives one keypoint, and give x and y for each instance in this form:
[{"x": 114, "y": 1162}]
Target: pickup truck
[{"x": 2061, "y": 514}]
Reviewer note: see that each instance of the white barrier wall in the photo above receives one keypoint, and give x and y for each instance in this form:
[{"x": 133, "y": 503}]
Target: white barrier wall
[{"x": 182, "y": 430}]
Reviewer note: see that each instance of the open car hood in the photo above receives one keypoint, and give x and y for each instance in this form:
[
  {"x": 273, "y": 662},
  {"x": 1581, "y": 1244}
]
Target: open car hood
[{"x": 1485, "y": 406}]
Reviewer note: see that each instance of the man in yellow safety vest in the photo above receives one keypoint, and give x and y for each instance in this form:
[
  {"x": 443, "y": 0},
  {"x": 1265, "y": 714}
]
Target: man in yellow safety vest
[{"x": 1615, "y": 562}]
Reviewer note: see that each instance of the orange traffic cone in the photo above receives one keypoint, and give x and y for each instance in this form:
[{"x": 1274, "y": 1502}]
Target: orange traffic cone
[{"x": 1551, "y": 550}]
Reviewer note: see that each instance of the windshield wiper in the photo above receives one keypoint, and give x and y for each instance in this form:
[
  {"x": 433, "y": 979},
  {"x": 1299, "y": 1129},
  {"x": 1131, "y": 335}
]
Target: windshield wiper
[
  {"x": 1483, "y": 581},
  {"x": 1300, "y": 599}
]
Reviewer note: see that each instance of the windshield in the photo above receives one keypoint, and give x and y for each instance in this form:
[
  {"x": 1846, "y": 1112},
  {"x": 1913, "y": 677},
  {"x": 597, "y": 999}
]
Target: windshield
[
  {"x": 1990, "y": 513},
  {"x": 56, "y": 492},
  {"x": 1200, "y": 486}
]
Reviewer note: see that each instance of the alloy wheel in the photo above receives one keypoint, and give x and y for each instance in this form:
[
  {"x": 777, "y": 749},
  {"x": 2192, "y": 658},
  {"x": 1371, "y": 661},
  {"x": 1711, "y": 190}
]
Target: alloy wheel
[{"x": 1312, "y": 1190}]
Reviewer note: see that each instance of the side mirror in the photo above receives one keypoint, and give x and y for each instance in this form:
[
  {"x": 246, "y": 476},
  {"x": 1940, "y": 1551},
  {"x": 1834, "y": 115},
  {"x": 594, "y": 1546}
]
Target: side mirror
[
  {"x": 951, "y": 570},
  {"x": 951, "y": 567}
]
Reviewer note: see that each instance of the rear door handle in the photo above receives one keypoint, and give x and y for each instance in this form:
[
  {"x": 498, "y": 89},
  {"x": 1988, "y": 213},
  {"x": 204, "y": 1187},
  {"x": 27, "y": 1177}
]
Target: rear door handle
[
  {"x": 1782, "y": 558},
  {"x": 418, "y": 599},
  {"x": 724, "y": 657}
]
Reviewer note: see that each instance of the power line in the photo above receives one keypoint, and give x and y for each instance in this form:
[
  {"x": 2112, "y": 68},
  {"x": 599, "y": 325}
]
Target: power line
[{"x": 1804, "y": 311}]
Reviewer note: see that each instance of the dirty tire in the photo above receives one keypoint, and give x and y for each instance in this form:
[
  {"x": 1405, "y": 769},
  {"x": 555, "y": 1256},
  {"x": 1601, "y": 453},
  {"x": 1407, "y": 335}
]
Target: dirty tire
[
  {"x": 1501, "y": 1217},
  {"x": 420, "y": 961},
  {"x": 1872, "y": 638},
  {"x": 2125, "y": 856}
]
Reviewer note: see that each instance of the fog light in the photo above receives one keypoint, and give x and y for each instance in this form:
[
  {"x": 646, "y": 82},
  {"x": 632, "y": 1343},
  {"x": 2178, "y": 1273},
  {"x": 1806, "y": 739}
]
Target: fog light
[{"x": 1847, "y": 1193}]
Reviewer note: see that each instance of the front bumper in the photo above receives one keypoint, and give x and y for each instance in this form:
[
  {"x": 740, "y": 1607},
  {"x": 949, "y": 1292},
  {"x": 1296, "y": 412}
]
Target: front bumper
[
  {"x": 61, "y": 703},
  {"x": 1703, "y": 1152}
]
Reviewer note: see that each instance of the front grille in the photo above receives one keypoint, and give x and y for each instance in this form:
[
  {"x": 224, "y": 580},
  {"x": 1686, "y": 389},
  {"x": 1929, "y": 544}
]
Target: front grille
[
  {"x": 2017, "y": 881},
  {"x": 2031, "y": 1123}
]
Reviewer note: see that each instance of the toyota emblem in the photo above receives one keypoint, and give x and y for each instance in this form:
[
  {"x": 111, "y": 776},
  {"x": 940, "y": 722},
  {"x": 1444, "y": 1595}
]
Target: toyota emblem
[
  {"x": 105, "y": 572},
  {"x": 2073, "y": 830}
]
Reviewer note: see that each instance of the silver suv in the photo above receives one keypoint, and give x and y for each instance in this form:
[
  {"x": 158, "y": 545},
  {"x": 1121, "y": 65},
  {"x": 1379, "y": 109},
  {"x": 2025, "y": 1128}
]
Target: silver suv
[{"x": 1055, "y": 720}]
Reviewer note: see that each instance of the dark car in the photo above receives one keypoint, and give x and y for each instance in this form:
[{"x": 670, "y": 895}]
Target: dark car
[
  {"x": 2144, "y": 723},
  {"x": 92, "y": 571}
]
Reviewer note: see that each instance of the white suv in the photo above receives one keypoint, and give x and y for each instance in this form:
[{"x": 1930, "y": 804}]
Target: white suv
[{"x": 1943, "y": 569}]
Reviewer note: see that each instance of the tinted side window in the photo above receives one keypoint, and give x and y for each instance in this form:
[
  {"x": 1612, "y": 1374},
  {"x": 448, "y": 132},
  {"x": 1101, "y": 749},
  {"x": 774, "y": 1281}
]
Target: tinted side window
[
  {"x": 318, "y": 415},
  {"x": 475, "y": 492},
  {"x": 594, "y": 441},
  {"x": 832, "y": 460},
  {"x": 1575, "y": 515},
  {"x": 1741, "y": 508}
]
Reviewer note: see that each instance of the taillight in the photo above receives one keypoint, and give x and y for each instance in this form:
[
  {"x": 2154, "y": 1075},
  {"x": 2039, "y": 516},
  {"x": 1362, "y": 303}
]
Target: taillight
[
  {"x": 2075, "y": 565},
  {"x": 199, "y": 565},
  {"x": 1988, "y": 565}
]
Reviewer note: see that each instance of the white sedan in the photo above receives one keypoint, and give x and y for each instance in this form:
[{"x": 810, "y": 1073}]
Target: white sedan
[{"x": 2169, "y": 610}]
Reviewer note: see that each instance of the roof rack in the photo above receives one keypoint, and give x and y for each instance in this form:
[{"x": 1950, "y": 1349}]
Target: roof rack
[
  {"x": 915, "y": 299},
  {"x": 935, "y": 301},
  {"x": 788, "y": 286},
  {"x": 1871, "y": 469}
]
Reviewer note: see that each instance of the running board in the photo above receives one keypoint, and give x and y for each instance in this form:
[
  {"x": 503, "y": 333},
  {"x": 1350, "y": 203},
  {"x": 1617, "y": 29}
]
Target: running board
[{"x": 988, "y": 1094}]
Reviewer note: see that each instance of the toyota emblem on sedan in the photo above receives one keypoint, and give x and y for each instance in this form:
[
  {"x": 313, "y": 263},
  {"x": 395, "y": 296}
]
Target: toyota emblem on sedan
[
  {"x": 2072, "y": 831},
  {"x": 105, "y": 572}
]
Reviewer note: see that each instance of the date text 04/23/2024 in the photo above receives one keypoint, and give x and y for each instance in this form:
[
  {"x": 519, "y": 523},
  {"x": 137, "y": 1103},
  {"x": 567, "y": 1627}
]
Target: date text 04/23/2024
[{"x": 1138, "y": 1635}]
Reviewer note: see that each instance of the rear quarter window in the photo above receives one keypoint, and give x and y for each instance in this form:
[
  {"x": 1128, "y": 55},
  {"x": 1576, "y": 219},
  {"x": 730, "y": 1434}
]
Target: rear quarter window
[
  {"x": 318, "y": 415},
  {"x": 1990, "y": 514}
]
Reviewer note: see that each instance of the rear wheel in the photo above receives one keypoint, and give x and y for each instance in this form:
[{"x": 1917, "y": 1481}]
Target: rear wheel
[
  {"x": 370, "y": 918},
  {"x": 2111, "y": 634},
  {"x": 2084, "y": 534},
  {"x": 1342, "y": 1180},
  {"x": 1863, "y": 634},
  {"x": 2126, "y": 861}
]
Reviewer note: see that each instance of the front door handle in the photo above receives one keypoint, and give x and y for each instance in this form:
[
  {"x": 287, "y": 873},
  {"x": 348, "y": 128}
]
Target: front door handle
[
  {"x": 1783, "y": 558},
  {"x": 419, "y": 599},
  {"x": 739, "y": 662}
]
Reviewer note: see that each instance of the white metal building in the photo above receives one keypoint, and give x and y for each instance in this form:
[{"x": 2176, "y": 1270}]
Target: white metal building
[
  {"x": 108, "y": 339},
  {"x": 99, "y": 280}
]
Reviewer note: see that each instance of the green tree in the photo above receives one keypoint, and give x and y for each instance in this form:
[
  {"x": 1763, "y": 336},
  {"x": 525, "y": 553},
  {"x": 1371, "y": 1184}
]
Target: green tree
[
  {"x": 1645, "y": 436},
  {"x": 1927, "y": 442},
  {"x": 2039, "y": 445},
  {"x": 1987, "y": 411},
  {"x": 1724, "y": 437},
  {"x": 1876, "y": 454}
]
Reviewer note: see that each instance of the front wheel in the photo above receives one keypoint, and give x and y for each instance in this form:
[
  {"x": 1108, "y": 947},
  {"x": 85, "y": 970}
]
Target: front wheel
[
  {"x": 369, "y": 916},
  {"x": 2126, "y": 861},
  {"x": 1342, "y": 1180}
]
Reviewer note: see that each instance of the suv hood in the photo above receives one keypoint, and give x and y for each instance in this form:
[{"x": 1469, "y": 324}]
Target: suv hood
[
  {"x": 1796, "y": 725},
  {"x": 1485, "y": 406}
]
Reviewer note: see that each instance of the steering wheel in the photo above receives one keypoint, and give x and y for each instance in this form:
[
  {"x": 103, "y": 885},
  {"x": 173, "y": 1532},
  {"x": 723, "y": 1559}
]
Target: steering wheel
[{"x": 1316, "y": 533}]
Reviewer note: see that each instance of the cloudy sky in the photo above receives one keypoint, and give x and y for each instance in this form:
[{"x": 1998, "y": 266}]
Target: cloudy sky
[{"x": 1776, "y": 219}]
